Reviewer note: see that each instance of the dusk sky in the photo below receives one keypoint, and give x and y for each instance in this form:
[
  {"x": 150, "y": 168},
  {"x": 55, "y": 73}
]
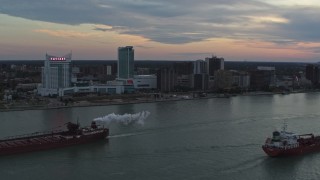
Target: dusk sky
[{"x": 238, "y": 30}]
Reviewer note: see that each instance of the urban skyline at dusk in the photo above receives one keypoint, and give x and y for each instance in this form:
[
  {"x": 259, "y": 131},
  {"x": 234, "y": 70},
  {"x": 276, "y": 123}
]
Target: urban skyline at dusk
[{"x": 250, "y": 30}]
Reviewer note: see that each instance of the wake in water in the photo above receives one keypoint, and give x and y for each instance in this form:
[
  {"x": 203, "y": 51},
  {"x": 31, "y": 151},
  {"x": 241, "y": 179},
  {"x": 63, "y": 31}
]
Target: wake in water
[
  {"x": 125, "y": 118},
  {"x": 124, "y": 135}
]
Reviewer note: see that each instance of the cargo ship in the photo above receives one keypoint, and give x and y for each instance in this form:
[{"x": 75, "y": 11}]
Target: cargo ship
[
  {"x": 73, "y": 135},
  {"x": 284, "y": 143}
]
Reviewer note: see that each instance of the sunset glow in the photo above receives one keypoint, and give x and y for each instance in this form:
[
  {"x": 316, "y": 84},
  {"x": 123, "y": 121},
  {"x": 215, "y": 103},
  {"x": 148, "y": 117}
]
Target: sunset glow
[{"x": 252, "y": 30}]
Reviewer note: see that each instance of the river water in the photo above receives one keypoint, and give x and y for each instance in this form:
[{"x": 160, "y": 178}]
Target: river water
[{"x": 217, "y": 138}]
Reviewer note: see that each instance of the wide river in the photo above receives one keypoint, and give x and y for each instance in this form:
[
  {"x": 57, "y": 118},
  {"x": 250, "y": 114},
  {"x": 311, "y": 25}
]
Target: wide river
[{"x": 217, "y": 138}]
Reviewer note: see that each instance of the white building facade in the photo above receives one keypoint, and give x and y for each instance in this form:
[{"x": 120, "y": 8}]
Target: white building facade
[
  {"x": 199, "y": 67},
  {"x": 56, "y": 74},
  {"x": 145, "y": 82}
]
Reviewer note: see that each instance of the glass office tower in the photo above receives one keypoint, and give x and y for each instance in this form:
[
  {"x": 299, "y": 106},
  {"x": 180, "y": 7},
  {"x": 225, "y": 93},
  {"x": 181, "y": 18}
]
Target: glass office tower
[{"x": 125, "y": 62}]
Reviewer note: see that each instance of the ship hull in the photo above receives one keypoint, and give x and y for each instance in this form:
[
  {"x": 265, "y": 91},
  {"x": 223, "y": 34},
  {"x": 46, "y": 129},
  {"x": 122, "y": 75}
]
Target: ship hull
[
  {"x": 277, "y": 152},
  {"x": 49, "y": 141}
]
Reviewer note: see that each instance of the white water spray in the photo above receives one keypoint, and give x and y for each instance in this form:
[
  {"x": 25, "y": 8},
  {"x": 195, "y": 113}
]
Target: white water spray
[{"x": 125, "y": 118}]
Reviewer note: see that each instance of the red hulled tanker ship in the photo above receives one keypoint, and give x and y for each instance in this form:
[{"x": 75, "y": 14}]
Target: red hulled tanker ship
[
  {"x": 285, "y": 143},
  {"x": 54, "y": 139}
]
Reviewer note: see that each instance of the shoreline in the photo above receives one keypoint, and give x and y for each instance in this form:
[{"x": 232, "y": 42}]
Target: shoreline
[
  {"x": 111, "y": 103},
  {"x": 89, "y": 104}
]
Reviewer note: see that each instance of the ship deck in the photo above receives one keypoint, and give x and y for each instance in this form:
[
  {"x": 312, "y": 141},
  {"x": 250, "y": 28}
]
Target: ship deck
[
  {"x": 44, "y": 138},
  {"x": 31, "y": 141}
]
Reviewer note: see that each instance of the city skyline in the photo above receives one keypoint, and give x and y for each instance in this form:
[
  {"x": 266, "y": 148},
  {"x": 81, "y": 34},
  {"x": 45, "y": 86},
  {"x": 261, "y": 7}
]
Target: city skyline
[{"x": 250, "y": 30}]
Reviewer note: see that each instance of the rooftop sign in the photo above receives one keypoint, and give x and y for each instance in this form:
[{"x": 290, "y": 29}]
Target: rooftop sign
[{"x": 57, "y": 59}]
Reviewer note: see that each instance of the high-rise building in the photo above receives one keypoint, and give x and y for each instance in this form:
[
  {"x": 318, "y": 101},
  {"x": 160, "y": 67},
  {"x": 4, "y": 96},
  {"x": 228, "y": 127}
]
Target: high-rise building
[
  {"x": 200, "y": 77},
  {"x": 312, "y": 73},
  {"x": 166, "y": 79},
  {"x": 200, "y": 82},
  {"x": 199, "y": 67},
  {"x": 213, "y": 64},
  {"x": 56, "y": 74},
  {"x": 125, "y": 62},
  {"x": 183, "y": 68}
]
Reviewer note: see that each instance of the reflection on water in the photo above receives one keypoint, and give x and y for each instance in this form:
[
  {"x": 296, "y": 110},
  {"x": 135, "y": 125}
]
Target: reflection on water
[
  {"x": 282, "y": 168},
  {"x": 125, "y": 109},
  {"x": 195, "y": 139},
  {"x": 57, "y": 117}
]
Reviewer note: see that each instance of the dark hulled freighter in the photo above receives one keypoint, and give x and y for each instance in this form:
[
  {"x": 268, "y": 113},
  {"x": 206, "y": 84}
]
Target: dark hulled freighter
[{"x": 54, "y": 139}]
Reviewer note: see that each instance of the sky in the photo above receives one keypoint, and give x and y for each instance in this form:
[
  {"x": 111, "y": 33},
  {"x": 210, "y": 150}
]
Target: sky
[{"x": 237, "y": 30}]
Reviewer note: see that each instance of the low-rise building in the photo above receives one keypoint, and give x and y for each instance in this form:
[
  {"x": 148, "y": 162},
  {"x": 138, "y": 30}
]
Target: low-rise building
[
  {"x": 240, "y": 79},
  {"x": 222, "y": 79},
  {"x": 145, "y": 82},
  {"x": 263, "y": 78}
]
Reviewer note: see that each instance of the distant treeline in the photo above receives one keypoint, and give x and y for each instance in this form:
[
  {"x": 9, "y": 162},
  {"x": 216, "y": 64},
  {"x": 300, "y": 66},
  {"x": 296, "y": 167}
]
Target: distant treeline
[{"x": 229, "y": 65}]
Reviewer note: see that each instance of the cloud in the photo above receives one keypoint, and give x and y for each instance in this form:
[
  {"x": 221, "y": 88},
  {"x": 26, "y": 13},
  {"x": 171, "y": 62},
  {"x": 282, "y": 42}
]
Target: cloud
[
  {"x": 304, "y": 25},
  {"x": 64, "y": 33},
  {"x": 176, "y": 22},
  {"x": 194, "y": 54},
  {"x": 102, "y": 28},
  {"x": 144, "y": 47}
]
